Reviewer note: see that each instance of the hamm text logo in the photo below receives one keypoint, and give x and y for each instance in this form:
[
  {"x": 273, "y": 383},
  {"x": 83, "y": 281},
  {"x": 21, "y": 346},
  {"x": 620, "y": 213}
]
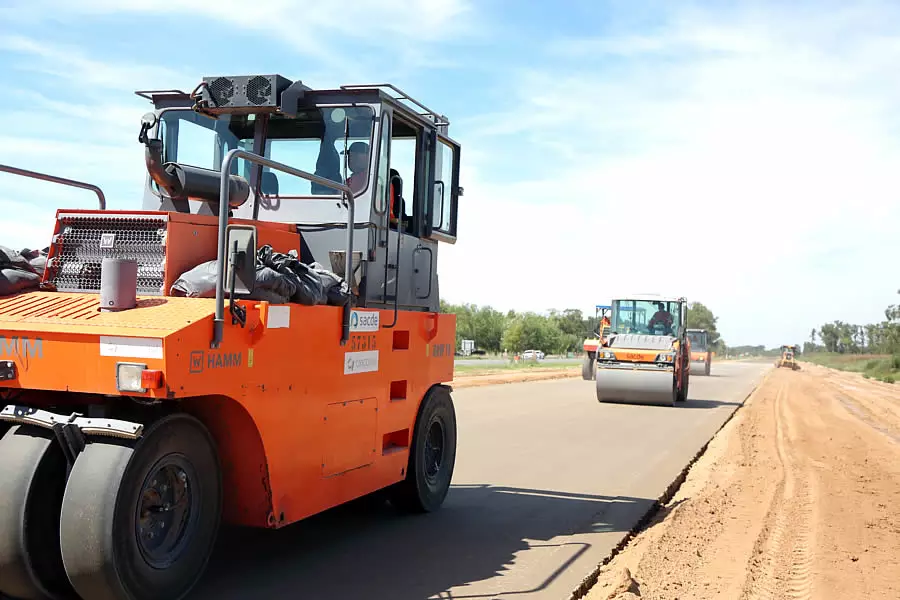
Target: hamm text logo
[
  {"x": 364, "y": 321},
  {"x": 21, "y": 347}
]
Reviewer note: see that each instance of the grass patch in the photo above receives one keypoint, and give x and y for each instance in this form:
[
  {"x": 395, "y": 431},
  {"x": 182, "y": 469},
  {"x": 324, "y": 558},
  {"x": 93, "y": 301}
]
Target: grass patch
[
  {"x": 884, "y": 368},
  {"x": 521, "y": 366}
]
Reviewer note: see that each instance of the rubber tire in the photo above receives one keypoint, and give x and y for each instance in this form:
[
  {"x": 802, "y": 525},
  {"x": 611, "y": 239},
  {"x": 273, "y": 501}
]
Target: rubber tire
[
  {"x": 33, "y": 472},
  {"x": 682, "y": 395},
  {"x": 414, "y": 494},
  {"x": 97, "y": 526},
  {"x": 587, "y": 368}
]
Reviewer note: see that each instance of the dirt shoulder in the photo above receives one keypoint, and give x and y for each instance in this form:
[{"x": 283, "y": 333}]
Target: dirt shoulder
[
  {"x": 795, "y": 498},
  {"x": 464, "y": 380}
]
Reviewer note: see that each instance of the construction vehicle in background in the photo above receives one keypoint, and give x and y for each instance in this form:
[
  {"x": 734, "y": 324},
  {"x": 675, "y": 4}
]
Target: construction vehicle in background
[
  {"x": 788, "y": 357},
  {"x": 591, "y": 344},
  {"x": 646, "y": 357},
  {"x": 701, "y": 354},
  {"x": 190, "y": 362}
]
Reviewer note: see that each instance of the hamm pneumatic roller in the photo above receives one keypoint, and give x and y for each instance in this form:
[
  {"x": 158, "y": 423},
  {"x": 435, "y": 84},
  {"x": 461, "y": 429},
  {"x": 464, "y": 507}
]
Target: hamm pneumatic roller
[
  {"x": 701, "y": 354},
  {"x": 195, "y": 361},
  {"x": 646, "y": 357}
]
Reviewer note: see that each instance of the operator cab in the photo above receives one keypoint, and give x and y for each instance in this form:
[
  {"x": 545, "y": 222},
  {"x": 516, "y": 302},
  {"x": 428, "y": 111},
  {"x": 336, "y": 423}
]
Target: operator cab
[
  {"x": 389, "y": 149},
  {"x": 647, "y": 316},
  {"x": 699, "y": 339}
]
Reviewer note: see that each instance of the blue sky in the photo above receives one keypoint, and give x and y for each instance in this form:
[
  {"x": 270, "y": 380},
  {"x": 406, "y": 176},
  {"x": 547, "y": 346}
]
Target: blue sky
[{"x": 584, "y": 127}]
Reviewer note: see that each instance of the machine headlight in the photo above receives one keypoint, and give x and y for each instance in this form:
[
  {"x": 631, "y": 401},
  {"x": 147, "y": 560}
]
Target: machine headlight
[
  {"x": 606, "y": 354},
  {"x": 666, "y": 357},
  {"x": 135, "y": 377}
]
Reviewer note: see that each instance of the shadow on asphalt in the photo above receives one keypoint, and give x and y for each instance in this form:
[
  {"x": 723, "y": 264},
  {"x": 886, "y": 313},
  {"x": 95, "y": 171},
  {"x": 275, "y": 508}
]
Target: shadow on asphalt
[
  {"x": 366, "y": 549},
  {"x": 695, "y": 403}
]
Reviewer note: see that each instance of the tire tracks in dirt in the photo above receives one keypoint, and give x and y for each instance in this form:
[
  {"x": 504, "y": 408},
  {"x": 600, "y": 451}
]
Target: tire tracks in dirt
[{"x": 783, "y": 554}]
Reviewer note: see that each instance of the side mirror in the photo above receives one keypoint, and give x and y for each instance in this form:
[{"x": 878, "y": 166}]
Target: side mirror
[{"x": 240, "y": 264}]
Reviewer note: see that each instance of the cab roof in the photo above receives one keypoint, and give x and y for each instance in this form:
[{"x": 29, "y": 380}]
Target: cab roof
[{"x": 649, "y": 298}]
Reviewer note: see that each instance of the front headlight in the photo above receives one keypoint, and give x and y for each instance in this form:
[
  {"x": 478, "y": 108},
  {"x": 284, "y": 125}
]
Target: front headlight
[
  {"x": 666, "y": 357},
  {"x": 136, "y": 377},
  {"x": 606, "y": 354}
]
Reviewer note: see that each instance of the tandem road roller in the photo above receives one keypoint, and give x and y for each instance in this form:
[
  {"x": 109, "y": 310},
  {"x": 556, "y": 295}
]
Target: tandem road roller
[
  {"x": 701, "y": 354},
  {"x": 646, "y": 357},
  {"x": 196, "y": 362}
]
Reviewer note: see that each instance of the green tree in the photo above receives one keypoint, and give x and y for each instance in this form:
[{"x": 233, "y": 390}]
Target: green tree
[{"x": 701, "y": 317}]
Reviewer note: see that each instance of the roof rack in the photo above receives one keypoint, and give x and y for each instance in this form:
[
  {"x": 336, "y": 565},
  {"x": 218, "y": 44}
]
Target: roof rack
[
  {"x": 399, "y": 94},
  {"x": 151, "y": 94}
]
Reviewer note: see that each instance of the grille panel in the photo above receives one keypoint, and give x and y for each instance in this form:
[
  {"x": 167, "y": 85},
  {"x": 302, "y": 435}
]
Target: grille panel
[
  {"x": 222, "y": 90},
  {"x": 85, "y": 240},
  {"x": 258, "y": 90}
]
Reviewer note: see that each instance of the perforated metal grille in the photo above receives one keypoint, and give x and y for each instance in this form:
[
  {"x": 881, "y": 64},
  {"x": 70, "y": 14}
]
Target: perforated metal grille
[
  {"x": 258, "y": 90},
  {"x": 222, "y": 90},
  {"x": 85, "y": 240}
]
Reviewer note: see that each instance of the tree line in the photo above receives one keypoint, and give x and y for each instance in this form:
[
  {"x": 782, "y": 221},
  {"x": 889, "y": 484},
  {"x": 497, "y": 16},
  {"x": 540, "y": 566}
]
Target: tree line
[
  {"x": 557, "y": 332},
  {"x": 873, "y": 338}
]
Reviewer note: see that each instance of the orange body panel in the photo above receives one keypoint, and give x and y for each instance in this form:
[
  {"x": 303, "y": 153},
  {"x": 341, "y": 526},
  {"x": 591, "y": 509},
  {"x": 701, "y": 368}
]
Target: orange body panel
[{"x": 302, "y": 423}]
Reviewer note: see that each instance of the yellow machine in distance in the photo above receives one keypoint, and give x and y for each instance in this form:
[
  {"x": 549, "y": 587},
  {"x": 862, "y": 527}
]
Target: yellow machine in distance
[{"x": 788, "y": 358}]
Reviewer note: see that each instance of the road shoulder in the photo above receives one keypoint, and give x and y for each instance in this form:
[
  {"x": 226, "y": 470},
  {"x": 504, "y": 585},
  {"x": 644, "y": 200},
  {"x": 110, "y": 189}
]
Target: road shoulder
[{"x": 791, "y": 499}]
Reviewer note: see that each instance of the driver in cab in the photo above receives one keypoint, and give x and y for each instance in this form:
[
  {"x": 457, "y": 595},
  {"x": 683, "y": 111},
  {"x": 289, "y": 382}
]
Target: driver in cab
[
  {"x": 358, "y": 163},
  {"x": 661, "y": 317}
]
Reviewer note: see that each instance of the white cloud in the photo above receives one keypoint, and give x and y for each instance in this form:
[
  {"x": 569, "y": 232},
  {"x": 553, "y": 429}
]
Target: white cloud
[
  {"x": 776, "y": 127},
  {"x": 339, "y": 36},
  {"x": 775, "y": 139}
]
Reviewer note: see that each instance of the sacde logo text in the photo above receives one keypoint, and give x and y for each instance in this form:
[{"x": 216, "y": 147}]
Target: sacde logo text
[{"x": 364, "y": 321}]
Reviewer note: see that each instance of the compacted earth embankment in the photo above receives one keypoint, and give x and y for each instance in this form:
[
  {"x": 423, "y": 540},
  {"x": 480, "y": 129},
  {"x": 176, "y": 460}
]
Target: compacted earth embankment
[{"x": 796, "y": 497}]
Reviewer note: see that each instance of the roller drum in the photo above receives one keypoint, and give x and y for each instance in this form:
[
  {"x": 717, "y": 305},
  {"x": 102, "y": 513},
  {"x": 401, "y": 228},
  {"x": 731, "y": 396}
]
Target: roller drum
[
  {"x": 635, "y": 386},
  {"x": 698, "y": 367}
]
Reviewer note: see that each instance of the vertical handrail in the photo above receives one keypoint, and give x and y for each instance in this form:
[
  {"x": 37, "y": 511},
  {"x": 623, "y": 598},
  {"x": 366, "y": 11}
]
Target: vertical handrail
[
  {"x": 224, "y": 192},
  {"x": 54, "y": 179}
]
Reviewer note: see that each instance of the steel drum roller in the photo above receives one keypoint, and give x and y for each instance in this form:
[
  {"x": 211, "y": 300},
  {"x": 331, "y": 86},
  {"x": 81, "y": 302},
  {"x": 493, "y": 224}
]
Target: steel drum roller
[{"x": 636, "y": 386}]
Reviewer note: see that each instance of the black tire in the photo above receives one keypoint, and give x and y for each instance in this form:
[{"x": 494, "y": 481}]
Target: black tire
[
  {"x": 682, "y": 394},
  {"x": 587, "y": 368},
  {"x": 425, "y": 486},
  {"x": 33, "y": 472},
  {"x": 109, "y": 523}
]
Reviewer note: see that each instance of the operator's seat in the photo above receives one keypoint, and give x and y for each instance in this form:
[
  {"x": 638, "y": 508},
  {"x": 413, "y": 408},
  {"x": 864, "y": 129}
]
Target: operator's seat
[
  {"x": 268, "y": 185},
  {"x": 395, "y": 211}
]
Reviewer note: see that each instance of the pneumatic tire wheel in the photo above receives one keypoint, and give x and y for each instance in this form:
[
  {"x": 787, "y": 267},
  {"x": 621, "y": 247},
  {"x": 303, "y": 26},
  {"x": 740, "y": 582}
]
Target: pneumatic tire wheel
[
  {"x": 432, "y": 456},
  {"x": 32, "y": 480},
  {"x": 139, "y": 520}
]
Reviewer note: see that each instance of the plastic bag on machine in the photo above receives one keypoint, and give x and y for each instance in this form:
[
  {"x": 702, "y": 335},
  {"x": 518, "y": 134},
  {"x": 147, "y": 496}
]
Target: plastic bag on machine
[
  {"x": 16, "y": 280},
  {"x": 308, "y": 287},
  {"x": 336, "y": 289},
  {"x": 11, "y": 258},
  {"x": 199, "y": 282}
]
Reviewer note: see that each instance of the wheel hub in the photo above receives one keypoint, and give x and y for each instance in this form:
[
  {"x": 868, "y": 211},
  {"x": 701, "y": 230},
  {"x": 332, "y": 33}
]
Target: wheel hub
[
  {"x": 434, "y": 450},
  {"x": 165, "y": 516}
]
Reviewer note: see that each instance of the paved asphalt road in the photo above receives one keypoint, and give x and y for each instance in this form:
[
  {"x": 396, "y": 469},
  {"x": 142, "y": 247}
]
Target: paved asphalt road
[{"x": 547, "y": 481}]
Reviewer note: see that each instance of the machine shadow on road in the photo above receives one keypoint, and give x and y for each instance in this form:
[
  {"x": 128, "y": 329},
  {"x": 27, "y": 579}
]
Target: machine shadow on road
[
  {"x": 698, "y": 403},
  {"x": 368, "y": 550}
]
